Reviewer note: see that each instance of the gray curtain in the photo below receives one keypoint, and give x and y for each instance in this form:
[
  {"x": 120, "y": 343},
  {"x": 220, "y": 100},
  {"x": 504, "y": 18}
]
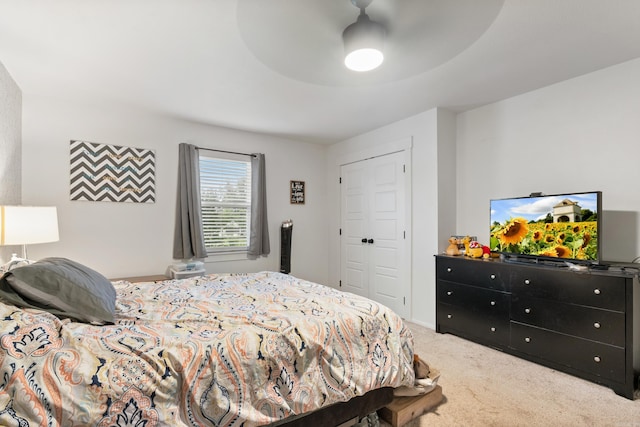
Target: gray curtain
[
  {"x": 259, "y": 229},
  {"x": 188, "y": 238}
]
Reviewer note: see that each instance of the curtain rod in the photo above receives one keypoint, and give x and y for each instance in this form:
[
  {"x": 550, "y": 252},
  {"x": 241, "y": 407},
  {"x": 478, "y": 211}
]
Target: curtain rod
[{"x": 225, "y": 151}]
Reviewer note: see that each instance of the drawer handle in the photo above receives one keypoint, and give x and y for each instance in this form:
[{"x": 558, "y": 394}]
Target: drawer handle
[
  {"x": 527, "y": 310},
  {"x": 596, "y": 325},
  {"x": 493, "y": 329},
  {"x": 527, "y": 281},
  {"x": 596, "y": 359},
  {"x": 448, "y": 269},
  {"x": 449, "y": 316},
  {"x": 527, "y": 339},
  {"x": 449, "y": 292},
  {"x": 493, "y": 303},
  {"x": 493, "y": 276},
  {"x": 596, "y": 291}
]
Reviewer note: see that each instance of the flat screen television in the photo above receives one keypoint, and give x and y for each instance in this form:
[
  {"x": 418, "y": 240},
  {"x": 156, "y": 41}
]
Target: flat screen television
[{"x": 559, "y": 227}]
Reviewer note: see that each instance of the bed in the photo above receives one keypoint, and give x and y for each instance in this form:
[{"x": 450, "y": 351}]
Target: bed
[{"x": 220, "y": 350}]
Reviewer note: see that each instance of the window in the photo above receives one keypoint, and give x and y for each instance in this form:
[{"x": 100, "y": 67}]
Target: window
[{"x": 225, "y": 195}]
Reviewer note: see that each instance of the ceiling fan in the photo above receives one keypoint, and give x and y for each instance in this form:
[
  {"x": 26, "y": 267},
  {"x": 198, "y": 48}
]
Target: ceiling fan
[
  {"x": 308, "y": 40},
  {"x": 363, "y": 41}
]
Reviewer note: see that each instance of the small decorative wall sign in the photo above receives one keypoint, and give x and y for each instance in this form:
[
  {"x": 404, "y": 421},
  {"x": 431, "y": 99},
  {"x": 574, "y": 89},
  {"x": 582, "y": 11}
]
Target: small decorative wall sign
[
  {"x": 112, "y": 173},
  {"x": 297, "y": 192}
]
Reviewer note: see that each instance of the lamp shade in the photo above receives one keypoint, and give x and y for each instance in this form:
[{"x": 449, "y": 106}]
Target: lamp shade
[
  {"x": 363, "y": 44},
  {"x": 24, "y": 225}
]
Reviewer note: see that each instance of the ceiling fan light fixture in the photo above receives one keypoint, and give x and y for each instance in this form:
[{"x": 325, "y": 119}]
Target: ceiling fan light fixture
[
  {"x": 363, "y": 44},
  {"x": 364, "y": 60}
]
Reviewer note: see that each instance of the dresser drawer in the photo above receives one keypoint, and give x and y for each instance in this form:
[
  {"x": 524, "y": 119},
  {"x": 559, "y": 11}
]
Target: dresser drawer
[
  {"x": 477, "y": 272},
  {"x": 602, "y": 360},
  {"x": 486, "y": 329},
  {"x": 577, "y": 288},
  {"x": 482, "y": 301},
  {"x": 596, "y": 324}
]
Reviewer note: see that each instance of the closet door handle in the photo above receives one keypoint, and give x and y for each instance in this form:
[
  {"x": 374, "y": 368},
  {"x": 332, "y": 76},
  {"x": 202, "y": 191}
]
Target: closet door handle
[
  {"x": 370, "y": 241},
  {"x": 364, "y": 240}
]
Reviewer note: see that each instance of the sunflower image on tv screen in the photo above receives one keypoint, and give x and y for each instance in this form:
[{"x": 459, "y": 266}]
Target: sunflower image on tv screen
[{"x": 547, "y": 226}]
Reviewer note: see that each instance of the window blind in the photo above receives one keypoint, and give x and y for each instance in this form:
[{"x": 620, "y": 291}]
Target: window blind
[{"x": 225, "y": 194}]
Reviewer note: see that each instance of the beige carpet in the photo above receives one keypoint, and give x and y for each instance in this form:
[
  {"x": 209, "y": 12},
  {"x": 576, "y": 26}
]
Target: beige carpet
[{"x": 485, "y": 387}]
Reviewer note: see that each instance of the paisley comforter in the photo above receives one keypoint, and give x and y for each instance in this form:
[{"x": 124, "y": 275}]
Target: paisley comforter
[{"x": 219, "y": 350}]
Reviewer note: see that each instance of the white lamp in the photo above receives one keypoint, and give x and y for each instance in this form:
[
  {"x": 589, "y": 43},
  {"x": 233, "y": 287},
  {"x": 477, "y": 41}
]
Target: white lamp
[
  {"x": 363, "y": 41},
  {"x": 25, "y": 225}
]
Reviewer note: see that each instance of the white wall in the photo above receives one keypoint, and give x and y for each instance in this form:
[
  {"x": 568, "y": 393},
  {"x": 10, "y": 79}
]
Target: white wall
[
  {"x": 428, "y": 131},
  {"x": 10, "y": 148},
  {"x": 127, "y": 239},
  {"x": 447, "y": 181},
  {"x": 579, "y": 135}
]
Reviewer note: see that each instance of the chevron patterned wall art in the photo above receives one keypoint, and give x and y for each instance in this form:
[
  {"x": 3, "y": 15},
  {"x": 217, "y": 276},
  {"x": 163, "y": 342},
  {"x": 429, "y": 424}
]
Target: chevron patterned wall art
[{"x": 112, "y": 173}]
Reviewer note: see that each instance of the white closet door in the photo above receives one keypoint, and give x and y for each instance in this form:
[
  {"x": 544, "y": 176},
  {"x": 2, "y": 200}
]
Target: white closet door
[
  {"x": 375, "y": 257},
  {"x": 354, "y": 260}
]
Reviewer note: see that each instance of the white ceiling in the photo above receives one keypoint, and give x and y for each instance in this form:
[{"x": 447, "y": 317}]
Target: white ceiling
[{"x": 274, "y": 66}]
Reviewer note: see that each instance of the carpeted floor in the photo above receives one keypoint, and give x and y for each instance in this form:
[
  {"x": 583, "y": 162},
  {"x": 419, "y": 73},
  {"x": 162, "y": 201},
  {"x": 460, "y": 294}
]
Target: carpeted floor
[{"x": 485, "y": 387}]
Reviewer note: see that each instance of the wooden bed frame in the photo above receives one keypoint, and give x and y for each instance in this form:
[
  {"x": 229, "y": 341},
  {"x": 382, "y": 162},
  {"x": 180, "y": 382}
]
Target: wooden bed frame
[{"x": 343, "y": 413}]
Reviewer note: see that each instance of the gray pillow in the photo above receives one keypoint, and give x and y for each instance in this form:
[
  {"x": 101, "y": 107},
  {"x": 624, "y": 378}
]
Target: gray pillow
[{"x": 62, "y": 287}]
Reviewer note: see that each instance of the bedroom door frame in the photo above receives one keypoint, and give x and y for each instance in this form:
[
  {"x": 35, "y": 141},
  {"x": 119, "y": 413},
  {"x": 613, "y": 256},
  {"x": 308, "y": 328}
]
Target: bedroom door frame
[{"x": 400, "y": 146}]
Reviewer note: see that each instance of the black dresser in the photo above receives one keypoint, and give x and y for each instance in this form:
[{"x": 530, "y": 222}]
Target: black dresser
[{"x": 581, "y": 323}]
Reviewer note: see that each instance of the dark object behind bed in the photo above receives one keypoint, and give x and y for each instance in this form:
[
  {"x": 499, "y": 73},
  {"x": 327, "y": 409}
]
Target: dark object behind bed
[
  {"x": 286, "y": 234},
  {"x": 342, "y": 412}
]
